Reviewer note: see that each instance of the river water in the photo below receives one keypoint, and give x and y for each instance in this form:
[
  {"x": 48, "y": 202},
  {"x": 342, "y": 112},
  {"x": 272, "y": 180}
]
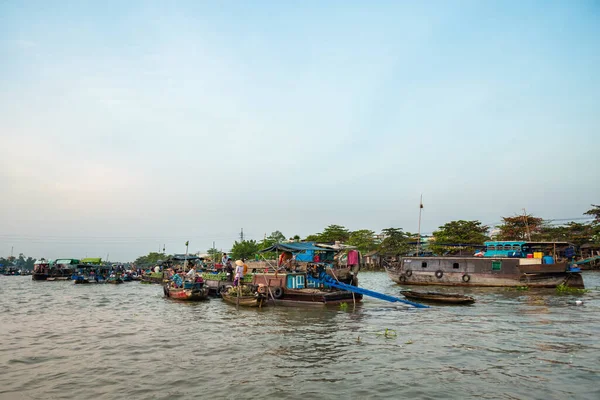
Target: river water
[{"x": 64, "y": 341}]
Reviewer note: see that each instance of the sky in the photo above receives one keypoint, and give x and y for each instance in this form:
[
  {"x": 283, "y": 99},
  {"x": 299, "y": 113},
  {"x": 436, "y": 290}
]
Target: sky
[{"x": 126, "y": 126}]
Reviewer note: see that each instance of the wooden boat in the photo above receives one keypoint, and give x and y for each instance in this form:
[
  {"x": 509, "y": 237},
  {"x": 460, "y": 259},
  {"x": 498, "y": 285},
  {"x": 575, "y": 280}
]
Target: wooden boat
[
  {"x": 452, "y": 298},
  {"x": 157, "y": 278},
  {"x": 194, "y": 293},
  {"x": 245, "y": 301},
  {"x": 293, "y": 289},
  {"x": 43, "y": 270},
  {"x": 114, "y": 281},
  {"x": 511, "y": 266}
]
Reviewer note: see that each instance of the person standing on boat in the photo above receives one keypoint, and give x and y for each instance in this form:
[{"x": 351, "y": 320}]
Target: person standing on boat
[
  {"x": 353, "y": 260},
  {"x": 224, "y": 259},
  {"x": 192, "y": 273},
  {"x": 239, "y": 273},
  {"x": 229, "y": 269},
  {"x": 245, "y": 266},
  {"x": 284, "y": 259}
]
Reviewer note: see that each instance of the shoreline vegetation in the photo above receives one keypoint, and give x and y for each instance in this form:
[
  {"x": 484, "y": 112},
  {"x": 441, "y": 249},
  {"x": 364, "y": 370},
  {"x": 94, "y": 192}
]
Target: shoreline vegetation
[{"x": 455, "y": 237}]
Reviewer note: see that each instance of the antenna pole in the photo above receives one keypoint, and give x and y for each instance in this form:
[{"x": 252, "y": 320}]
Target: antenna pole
[
  {"x": 419, "y": 234},
  {"x": 526, "y": 225}
]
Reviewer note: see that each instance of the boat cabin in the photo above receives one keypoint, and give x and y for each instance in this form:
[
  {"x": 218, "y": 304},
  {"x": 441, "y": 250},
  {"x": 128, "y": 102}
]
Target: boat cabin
[{"x": 549, "y": 251}]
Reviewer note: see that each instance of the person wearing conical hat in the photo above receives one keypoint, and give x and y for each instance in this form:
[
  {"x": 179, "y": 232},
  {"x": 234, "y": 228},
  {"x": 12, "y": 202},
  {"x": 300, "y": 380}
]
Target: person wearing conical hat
[{"x": 239, "y": 272}]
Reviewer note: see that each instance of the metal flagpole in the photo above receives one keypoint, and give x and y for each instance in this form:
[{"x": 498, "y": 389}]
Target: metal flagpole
[
  {"x": 419, "y": 234},
  {"x": 186, "y": 254}
]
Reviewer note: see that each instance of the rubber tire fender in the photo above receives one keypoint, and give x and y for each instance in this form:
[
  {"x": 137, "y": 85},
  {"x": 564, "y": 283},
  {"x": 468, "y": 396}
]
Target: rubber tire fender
[
  {"x": 402, "y": 279},
  {"x": 439, "y": 273},
  {"x": 278, "y": 292},
  {"x": 466, "y": 278},
  {"x": 408, "y": 273}
]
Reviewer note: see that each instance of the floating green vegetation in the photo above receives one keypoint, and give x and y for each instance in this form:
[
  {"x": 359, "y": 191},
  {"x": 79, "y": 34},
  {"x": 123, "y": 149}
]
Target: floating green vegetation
[
  {"x": 388, "y": 333},
  {"x": 343, "y": 306},
  {"x": 408, "y": 342},
  {"x": 522, "y": 288},
  {"x": 222, "y": 276},
  {"x": 565, "y": 289}
]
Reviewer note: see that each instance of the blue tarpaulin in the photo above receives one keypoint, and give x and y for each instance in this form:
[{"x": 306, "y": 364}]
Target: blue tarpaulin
[{"x": 295, "y": 247}]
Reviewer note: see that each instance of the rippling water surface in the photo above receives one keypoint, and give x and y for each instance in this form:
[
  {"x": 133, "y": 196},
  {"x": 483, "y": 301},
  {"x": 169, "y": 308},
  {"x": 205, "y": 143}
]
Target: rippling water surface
[{"x": 64, "y": 341}]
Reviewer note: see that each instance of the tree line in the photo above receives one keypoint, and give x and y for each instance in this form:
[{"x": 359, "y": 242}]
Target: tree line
[
  {"x": 20, "y": 262},
  {"x": 396, "y": 241}
]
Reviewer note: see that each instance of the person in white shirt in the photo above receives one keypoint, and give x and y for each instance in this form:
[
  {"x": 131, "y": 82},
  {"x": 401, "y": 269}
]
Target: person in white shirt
[{"x": 191, "y": 273}]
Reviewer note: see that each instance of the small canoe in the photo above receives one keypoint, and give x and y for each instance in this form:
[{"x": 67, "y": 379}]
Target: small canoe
[
  {"x": 451, "y": 298},
  {"x": 245, "y": 301},
  {"x": 192, "y": 294}
]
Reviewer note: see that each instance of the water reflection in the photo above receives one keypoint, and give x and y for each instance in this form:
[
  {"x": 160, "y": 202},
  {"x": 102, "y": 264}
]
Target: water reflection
[{"x": 127, "y": 341}]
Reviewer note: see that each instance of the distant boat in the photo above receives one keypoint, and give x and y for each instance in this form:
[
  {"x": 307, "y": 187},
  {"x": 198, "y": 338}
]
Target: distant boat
[
  {"x": 438, "y": 297},
  {"x": 190, "y": 292},
  {"x": 115, "y": 280},
  {"x": 59, "y": 270}
]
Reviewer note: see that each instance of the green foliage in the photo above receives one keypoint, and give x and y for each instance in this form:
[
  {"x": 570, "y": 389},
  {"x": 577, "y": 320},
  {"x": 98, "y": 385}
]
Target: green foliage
[
  {"x": 245, "y": 249},
  {"x": 458, "y": 232},
  {"x": 29, "y": 263},
  {"x": 243, "y": 290},
  {"x": 313, "y": 238},
  {"x": 564, "y": 289},
  {"x": 335, "y": 233},
  {"x": 221, "y": 276},
  {"x": 572, "y": 232},
  {"x": 594, "y": 212},
  {"x": 395, "y": 242},
  {"x": 276, "y": 237},
  {"x": 215, "y": 254},
  {"x": 388, "y": 333},
  {"x": 516, "y": 227},
  {"x": 363, "y": 239},
  {"x": 330, "y": 234},
  {"x": 18, "y": 262},
  {"x": 273, "y": 238},
  {"x": 150, "y": 259}
]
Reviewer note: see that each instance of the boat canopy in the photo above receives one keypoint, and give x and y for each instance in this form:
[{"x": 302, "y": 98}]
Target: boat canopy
[
  {"x": 337, "y": 246},
  {"x": 67, "y": 261},
  {"x": 295, "y": 247},
  {"x": 520, "y": 248},
  {"x": 183, "y": 257},
  {"x": 91, "y": 260}
]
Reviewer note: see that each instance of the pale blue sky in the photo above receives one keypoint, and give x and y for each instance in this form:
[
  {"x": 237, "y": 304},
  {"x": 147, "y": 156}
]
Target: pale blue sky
[{"x": 128, "y": 126}]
